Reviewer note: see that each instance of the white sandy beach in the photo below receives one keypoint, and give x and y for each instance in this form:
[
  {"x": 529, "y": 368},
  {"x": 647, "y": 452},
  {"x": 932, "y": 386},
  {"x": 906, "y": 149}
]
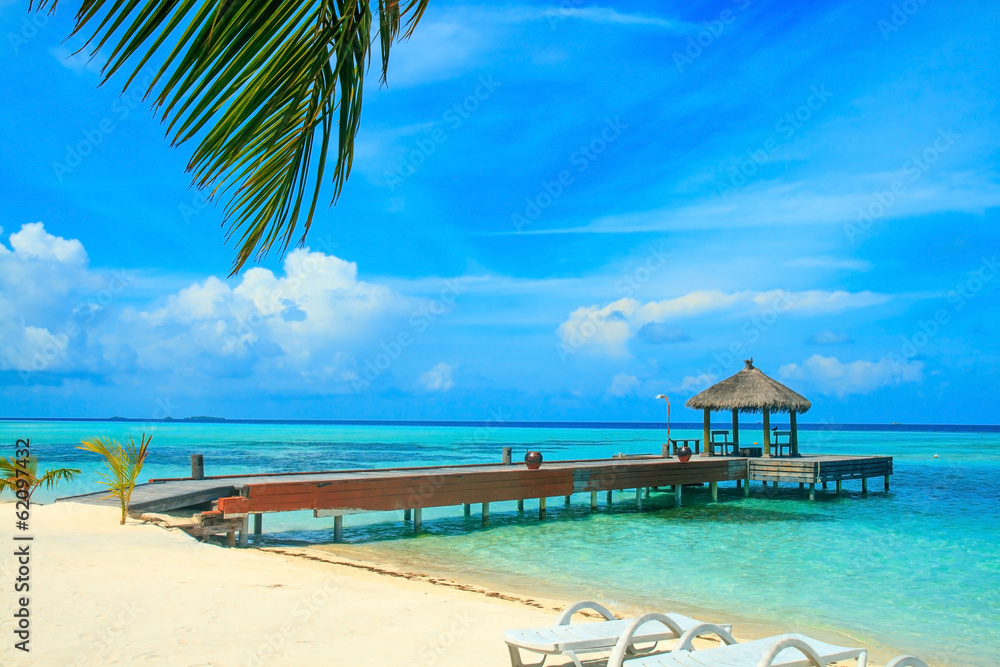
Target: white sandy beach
[{"x": 104, "y": 594}]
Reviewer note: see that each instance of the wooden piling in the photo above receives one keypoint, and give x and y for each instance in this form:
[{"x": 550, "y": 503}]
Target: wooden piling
[
  {"x": 864, "y": 486},
  {"x": 812, "y": 490},
  {"x": 678, "y": 492},
  {"x": 746, "y": 489},
  {"x": 736, "y": 432},
  {"x": 767, "y": 434},
  {"x": 520, "y": 505},
  {"x": 839, "y": 486},
  {"x": 714, "y": 488},
  {"x": 417, "y": 519},
  {"x": 541, "y": 508},
  {"x": 467, "y": 509},
  {"x": 793, "y": 439},
  {"x": 638, "y": 498},
  {"x": 258, "y": 523},
  {"x": 486, "y": 514},
  {"x": 646, "y": 492},
  {"x": 566, "y": 499},
  {"x": 245, "y": 532},
  {"x": 706, "y": 432},
  {"x": 338, "y": 529},
  {"x": 610, "y": 498},
  {"x": 231, "y": 539},
  {"x": 406, "y": 515},
  {"x": 593, "y": 500},
  {"x": 197, "y": 466},
  {"x": 887, "y": 483}
]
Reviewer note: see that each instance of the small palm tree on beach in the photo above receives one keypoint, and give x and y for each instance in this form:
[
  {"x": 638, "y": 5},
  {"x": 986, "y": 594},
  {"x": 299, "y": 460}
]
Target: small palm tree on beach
[
  {"x": 124, "y": 462},
  {"x": 259, "y": 83},
  {"x": 12, "y": 470}
]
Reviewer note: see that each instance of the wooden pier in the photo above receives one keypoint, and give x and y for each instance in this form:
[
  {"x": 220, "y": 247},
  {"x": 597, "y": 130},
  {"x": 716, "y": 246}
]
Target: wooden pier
[
  {"x": 813, "y": 470},
  {"x": 234, "y": 498}
]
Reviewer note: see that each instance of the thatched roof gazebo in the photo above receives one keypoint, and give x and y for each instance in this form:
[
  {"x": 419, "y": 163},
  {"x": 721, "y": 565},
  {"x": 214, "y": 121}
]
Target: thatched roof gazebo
[{"x": 751, "y": 391}]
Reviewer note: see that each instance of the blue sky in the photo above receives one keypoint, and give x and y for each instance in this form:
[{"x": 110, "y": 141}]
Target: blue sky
[{"x": 557, "y": 211}]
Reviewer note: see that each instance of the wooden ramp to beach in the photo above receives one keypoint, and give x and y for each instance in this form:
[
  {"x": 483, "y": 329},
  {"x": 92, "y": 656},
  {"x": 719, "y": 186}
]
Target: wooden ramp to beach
[{"x": 234, "y": 498}]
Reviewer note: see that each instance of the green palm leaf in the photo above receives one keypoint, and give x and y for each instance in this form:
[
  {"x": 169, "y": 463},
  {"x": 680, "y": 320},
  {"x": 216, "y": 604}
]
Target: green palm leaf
[
  {"x": 259, "y": 84},
  {"x": 10, "y": 472}
]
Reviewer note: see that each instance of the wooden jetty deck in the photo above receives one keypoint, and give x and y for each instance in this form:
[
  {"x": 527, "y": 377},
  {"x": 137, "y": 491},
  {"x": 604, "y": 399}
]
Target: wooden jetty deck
[{"x": 339, "y": 492}]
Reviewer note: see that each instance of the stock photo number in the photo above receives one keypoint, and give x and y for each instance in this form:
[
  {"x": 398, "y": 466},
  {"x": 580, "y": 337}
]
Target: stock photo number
[{"x": 22, "y": 546}]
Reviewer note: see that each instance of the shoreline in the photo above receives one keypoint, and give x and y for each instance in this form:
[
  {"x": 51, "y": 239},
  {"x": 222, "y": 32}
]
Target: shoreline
[
  {"x": 546, "y": 596},
  {"x": 109, "y": 594}
]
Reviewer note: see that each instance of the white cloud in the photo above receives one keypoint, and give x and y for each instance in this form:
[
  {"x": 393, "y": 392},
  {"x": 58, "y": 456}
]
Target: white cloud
[
  {"x": 304, "y": 326},
  {"x": 829, "y": 375},
  {"x": 596, "y": 328},
  {"x": 607, "y": 329},
  {"x": 438, "y": 378},
  {"x": 46, "y": 292},
  {"x": 623, "y": 385},
  {"x": 35, "y": 243}
]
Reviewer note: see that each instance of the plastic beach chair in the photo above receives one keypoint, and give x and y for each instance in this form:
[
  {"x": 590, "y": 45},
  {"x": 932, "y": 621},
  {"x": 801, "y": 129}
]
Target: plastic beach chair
[
  {"x": 906, "y": 661},
  {"x": 791, "y": 650},
  {"x": 569, "y": 640}
]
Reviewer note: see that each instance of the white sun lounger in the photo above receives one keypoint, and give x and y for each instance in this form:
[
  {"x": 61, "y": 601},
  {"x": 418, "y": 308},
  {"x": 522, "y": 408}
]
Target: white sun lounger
[
  {"x": 569, "y": 640},
  {"x": 907, "y": 661},
  {"x": 791, "y": 650}
]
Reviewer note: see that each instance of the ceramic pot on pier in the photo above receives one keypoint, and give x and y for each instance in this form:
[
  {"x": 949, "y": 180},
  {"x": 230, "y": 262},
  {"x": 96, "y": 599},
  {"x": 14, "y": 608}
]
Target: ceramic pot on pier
[
  {"x": 684, "y": 454},
  {"x": 533, "y": 460}
]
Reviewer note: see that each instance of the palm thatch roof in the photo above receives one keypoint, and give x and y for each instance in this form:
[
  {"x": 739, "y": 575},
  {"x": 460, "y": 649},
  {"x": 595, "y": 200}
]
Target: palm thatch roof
[{"x": 749, "y": 391}]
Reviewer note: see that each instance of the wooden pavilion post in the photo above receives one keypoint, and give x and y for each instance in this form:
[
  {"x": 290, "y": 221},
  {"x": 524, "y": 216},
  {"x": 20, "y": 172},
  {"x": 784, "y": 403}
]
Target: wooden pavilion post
[
  {"x": 794, "y": 428},
  {"x": 736, "y": 431},
  {"x": 706, "y": 449},
  {"x": 767, "y": 433}
]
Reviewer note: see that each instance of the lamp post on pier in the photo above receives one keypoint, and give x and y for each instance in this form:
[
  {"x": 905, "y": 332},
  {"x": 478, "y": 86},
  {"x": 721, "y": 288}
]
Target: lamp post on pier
[{"x": 665, "y": 450}]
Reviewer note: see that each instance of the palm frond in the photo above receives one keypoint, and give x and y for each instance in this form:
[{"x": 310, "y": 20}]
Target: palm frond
[
  {"x": 256, "y": 83},
  {"x": 53, "y": 477},
  {"x": 10, "y": 472}
]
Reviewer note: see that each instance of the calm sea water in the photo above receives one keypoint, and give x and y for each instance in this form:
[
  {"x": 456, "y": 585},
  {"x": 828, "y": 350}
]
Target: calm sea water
[{"x": 915, "y": 570}]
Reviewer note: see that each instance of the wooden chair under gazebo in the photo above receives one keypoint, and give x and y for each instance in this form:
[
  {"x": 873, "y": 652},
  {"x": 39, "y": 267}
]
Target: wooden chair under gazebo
[{"x": 750, "y": 391}]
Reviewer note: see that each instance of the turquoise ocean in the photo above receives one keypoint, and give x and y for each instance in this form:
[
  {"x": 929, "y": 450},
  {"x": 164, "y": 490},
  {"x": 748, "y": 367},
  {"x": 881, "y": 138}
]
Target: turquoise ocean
[{"x": 916, "y": 570}]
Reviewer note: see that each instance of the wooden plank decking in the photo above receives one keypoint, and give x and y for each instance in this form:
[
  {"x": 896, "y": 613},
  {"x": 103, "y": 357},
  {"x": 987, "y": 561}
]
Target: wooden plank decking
[
  {"x": 820, "y": 468},
  {"x": 411, "y": 488},
  {"x": 338, "y": 492}
]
